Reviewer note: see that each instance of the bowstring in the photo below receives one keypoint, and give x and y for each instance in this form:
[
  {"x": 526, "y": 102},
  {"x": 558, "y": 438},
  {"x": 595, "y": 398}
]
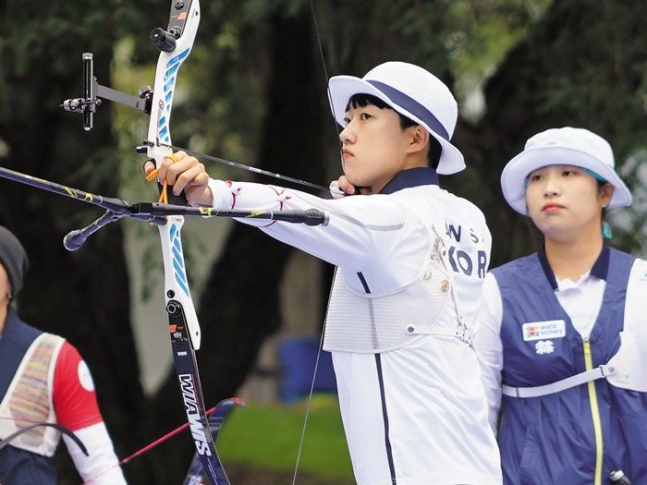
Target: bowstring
[
  {"x": 323, "y": 330},
  {"x": 325, "y": 72},
  {"x": 308, "y": 407}
]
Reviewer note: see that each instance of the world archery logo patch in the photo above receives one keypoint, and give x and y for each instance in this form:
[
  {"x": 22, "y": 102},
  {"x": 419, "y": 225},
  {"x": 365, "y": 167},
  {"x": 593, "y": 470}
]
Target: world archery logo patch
[{"x": 543, "y": 330}]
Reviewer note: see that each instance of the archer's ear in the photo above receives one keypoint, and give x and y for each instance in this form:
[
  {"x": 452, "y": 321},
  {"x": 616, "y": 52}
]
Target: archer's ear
[
  {"x": 419, "y": 138},
  {"x": 606, "y": 194}
]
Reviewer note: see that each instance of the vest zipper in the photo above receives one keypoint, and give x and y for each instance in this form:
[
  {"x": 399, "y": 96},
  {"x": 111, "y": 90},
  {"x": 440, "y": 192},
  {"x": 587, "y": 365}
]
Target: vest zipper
[{"x": 595, "y": 414}]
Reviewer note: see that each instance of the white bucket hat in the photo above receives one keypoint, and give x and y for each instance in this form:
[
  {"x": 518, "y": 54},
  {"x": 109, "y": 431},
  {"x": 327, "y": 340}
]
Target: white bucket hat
[
  {"x": 411, "y": 91},
  {"x": 562, "y": 146}
]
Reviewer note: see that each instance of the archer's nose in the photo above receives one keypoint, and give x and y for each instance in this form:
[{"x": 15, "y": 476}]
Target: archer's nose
[
  {"x": 347, "y": 135},
  {"x": 551, "y": 189}
]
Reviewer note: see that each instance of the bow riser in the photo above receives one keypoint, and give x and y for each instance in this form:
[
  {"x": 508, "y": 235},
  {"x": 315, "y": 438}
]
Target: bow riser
[
  {"x": 176, "y": 283},
  {"x": 175, "y": 44}
]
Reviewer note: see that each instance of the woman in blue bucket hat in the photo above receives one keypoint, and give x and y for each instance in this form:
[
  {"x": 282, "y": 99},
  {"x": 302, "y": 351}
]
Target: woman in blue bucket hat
[{"x": 563, "y": 339}]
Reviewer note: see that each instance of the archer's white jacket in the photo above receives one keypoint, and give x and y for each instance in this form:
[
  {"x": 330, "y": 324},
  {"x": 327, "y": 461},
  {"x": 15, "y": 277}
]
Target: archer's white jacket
[{"x": 410, "y": 266}]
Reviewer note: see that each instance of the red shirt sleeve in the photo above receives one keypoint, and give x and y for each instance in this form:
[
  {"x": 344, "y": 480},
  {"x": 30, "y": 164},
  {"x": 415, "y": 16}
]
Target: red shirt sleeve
[{"x": 75, "y": 400}]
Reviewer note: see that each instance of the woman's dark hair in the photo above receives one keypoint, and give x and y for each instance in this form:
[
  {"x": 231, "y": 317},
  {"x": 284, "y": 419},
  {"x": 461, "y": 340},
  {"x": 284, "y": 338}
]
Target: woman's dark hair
[{"x": 363, "y": 100}]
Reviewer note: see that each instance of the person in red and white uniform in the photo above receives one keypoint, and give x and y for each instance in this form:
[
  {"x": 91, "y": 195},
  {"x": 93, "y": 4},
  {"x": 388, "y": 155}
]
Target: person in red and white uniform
[{"x": 43, "y": 379}]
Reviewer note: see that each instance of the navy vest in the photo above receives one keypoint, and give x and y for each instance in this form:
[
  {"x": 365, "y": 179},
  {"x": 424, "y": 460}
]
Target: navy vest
[{"x": 550, "y": 439}]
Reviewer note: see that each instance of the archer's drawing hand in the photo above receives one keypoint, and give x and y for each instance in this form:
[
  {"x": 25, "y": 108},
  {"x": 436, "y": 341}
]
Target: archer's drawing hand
[
  {"x": 184, "y": 173},
  {"x": 343, "y": 184}
]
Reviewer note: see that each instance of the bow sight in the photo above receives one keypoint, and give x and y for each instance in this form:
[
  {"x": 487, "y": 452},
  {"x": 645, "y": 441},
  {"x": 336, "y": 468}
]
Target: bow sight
[{"x": 93, "y": 91}]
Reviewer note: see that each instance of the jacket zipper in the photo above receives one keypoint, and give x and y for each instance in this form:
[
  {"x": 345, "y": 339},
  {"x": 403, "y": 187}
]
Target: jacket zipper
[{"x": 595, "y": 414}]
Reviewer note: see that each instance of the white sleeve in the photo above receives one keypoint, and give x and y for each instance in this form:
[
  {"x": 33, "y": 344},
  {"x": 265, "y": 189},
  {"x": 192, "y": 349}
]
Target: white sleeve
[
  {"x": 101, "y": 466},
  {"x": 489, "y": 348},
  {"x": 360, "y": 228}
]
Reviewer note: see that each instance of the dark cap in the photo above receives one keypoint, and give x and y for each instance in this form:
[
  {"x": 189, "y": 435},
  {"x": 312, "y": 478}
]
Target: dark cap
[{"x": 13, "y": 258}]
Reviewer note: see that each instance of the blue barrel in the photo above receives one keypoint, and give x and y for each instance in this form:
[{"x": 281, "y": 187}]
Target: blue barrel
[{"x": 297, "y": 357}]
